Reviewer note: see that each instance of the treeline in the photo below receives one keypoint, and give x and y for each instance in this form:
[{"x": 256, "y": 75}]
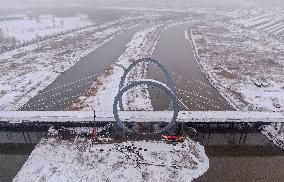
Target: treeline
[{"x": 9, "y": 44}]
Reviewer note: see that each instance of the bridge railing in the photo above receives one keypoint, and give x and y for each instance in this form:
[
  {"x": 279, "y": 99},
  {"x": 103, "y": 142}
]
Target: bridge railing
[
  {"x": 81, "y": 117},
  {"x": 139, "y": 116}
]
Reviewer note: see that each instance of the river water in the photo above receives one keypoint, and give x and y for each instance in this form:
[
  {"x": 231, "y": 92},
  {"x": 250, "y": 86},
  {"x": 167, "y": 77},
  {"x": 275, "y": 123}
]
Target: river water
[
  {"x": 233, "y": 155},
  {"x": 55, "y": 97},
  {"x": 11, "y": 162},
  {"x": 239, "y": 156},
  {"x": 15, "y": 147},
  {"x": 192, "y": 89}
]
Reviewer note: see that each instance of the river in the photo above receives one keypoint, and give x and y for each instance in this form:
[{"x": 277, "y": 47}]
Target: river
[
  {"x": 69, "y": 85},
  {"x": 193, "y": 90},
  {"x": 233, "y": 155}
]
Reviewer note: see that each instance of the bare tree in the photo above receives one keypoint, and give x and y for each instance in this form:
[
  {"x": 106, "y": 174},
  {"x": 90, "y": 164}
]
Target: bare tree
[
  {"x": 62, "y": 23},
  {"x": 53, "y": 21}
]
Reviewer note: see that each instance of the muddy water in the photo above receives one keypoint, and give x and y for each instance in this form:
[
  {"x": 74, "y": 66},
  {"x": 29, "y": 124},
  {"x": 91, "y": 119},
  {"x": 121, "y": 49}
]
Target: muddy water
[
  {"x": 55, "y": 97},
  {"x": 8, "y": 169},
  {"x": 193, "y": 90},
  {"x": 237, "y": 156},
  {"x": 15, "y": 148}
]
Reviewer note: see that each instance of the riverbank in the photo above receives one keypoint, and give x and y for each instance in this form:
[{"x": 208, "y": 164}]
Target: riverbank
[
  {"x": 243, "y": 63},
  {"x": 81, "y": 159},
  {"x": 194, "y": 92},
  {"x": 244, "y": 66},
  {"x": 107, "y": 85},
  {"x": 28, "y": 70}
]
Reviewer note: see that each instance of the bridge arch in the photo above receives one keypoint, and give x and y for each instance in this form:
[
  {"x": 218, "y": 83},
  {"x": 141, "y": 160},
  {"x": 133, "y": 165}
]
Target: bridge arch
[
  {"x": 154, "y": 83},
  {"x": 145, "y": 60}
]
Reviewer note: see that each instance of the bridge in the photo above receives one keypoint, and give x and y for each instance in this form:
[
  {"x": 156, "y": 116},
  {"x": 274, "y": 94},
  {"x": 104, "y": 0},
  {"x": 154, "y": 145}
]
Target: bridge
[
  {"x": 14, "y": 117},
  {"x": 83, "y": 118}
]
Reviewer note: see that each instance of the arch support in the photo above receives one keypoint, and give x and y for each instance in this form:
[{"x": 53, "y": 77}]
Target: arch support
[
  {"x": 154, "y": 83},
  {"x": 145, "y": 60}
]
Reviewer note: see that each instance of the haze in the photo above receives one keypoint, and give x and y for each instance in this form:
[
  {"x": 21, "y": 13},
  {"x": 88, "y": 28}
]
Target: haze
[{"x": 142, "y": 3}]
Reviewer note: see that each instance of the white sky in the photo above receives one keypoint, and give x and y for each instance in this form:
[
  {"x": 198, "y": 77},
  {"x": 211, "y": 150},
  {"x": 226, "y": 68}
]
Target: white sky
[{"x": 151, "y": 3}]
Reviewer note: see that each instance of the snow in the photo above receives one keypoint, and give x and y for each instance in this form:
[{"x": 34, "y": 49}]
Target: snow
[
  {"x": 80, "y": 160},
  {"x": 242, "y": 59},
  {"x": 139, "y": 116},
  {"x": 268, "y": 21},
  {"x": 245, "y": 66},
  {"x": 272, "y": 132},
  {"x": 28, "y": 70},
  {"x": 242, "y": 64},
  {"x": 142, "y": 45},
  {"x": 267, "y": 97},
  {"x": 27, "y": 28}
]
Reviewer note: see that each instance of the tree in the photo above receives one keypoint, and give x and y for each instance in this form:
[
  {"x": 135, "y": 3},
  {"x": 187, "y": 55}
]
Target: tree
[
  {"x": 1, "y": 35},
  {"x": 53, "y": 21},
  {"x": 37, "y": 18},
  {"x": 62, "y": 23}
]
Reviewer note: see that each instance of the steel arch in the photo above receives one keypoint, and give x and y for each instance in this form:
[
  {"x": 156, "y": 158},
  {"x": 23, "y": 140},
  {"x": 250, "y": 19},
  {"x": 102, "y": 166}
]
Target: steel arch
[
  {"x": 155, "y": 83},
  {"x": 146, "y": 60}
]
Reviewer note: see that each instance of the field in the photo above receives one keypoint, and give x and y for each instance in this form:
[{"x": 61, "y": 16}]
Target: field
[
  {"x": 244, "y": 63},
  {"x": 241, "y": 53}
]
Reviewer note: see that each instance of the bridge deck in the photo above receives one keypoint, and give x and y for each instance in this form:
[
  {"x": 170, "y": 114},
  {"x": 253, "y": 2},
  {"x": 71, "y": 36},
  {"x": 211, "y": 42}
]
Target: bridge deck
[{"x": 138, "y": 116}]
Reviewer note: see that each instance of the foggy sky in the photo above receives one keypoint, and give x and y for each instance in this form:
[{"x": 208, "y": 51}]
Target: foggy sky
[{"x": 141, "y": 3}]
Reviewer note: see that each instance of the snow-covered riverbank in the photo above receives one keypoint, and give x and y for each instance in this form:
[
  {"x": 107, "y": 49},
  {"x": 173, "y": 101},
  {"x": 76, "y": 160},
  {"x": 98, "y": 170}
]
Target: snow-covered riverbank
[
  {"x": 244, "y": 66},
  {"x": 28, "y": 70},
  {"x": 106, "y": 86},
  {"x": 243, "y": 63},
  {"x": 61, "y": 160}
]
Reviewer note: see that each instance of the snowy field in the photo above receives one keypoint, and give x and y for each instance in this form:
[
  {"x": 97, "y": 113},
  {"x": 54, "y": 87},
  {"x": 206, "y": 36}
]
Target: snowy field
[
  {"x": 77, "y": 160},
  {"x": 245, "y": 65},
  {"x": 272, "y": 132},
  {"x": 241, "y": 53},
  {"x": 30, "y": 26},
  {"x": 266, "y": 21}
]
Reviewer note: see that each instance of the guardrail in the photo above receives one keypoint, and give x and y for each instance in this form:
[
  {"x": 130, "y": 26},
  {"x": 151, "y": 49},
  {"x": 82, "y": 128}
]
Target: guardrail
[{"x": 140, "y": 116}]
